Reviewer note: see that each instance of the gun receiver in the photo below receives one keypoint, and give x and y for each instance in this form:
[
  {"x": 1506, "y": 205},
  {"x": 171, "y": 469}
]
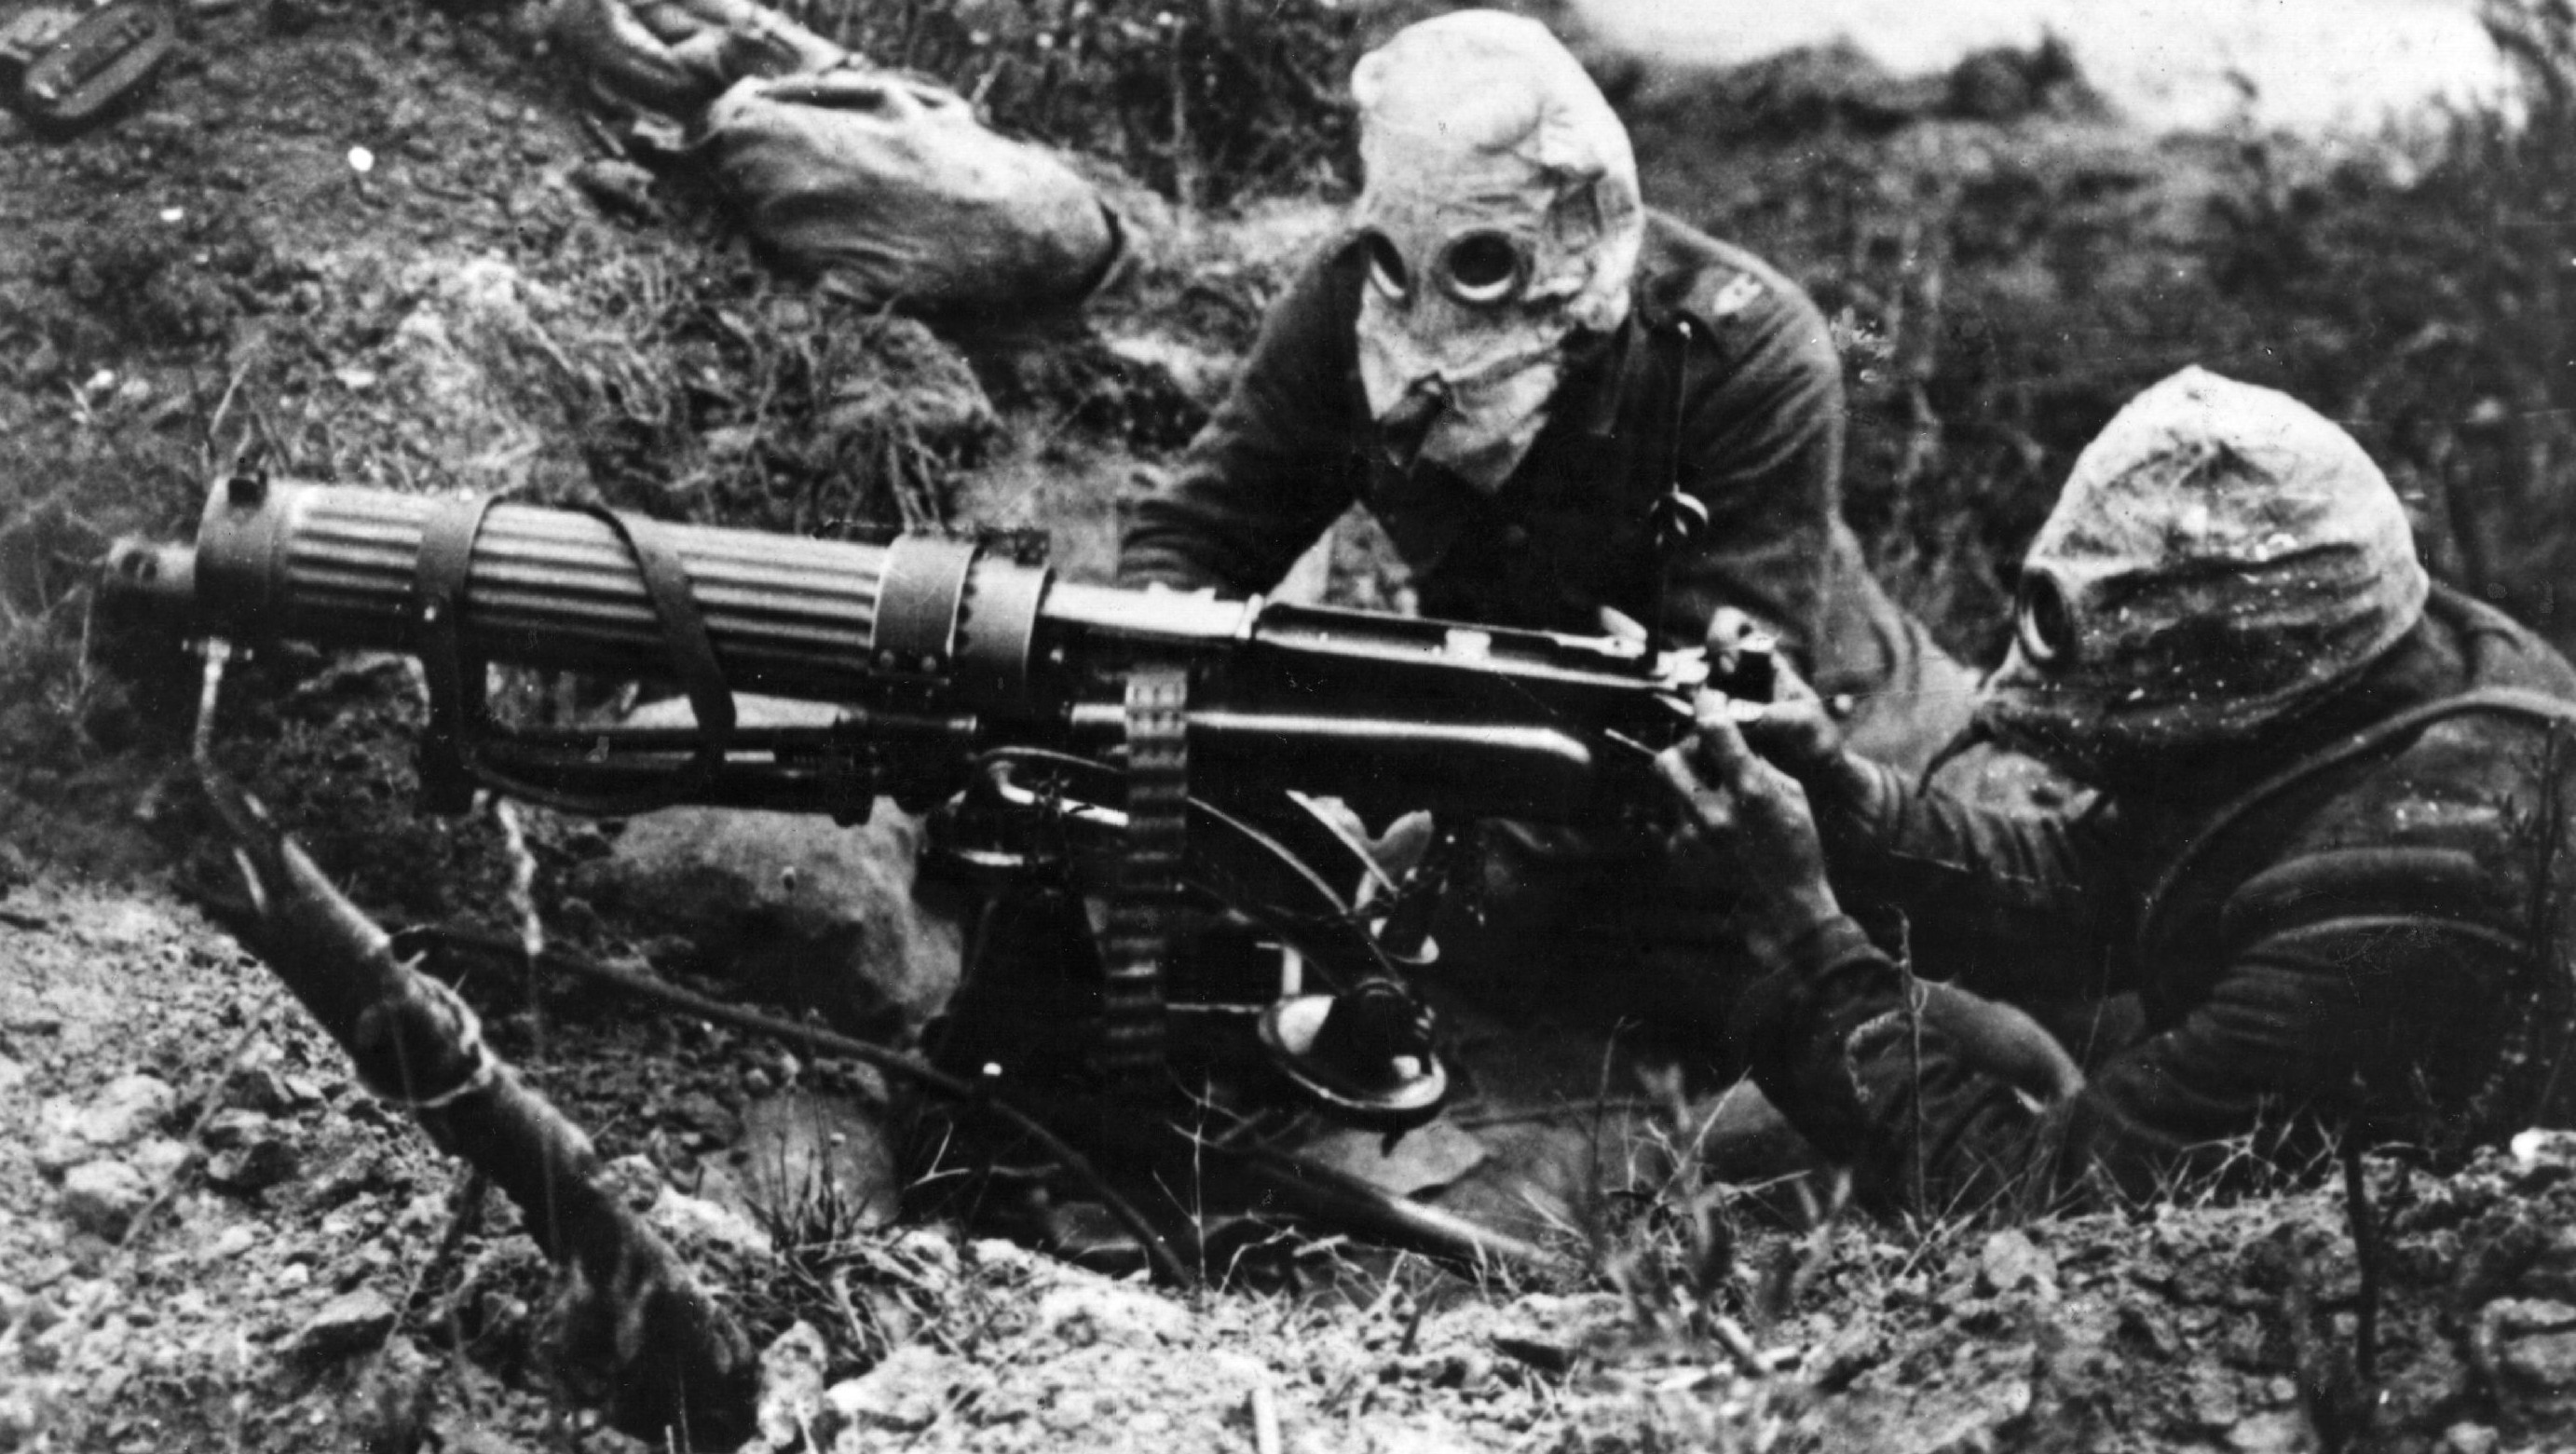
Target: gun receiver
[{"x": 935, "y": 649}]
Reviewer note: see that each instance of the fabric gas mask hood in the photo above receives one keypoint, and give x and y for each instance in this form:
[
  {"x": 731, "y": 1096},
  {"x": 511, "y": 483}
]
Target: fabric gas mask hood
[
  {"x": 1499, "y": 220},
  {"x": 2222, "y": 560}
]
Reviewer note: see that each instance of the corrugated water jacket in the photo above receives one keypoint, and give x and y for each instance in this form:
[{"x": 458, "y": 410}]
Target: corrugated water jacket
[
  {"x": 1724, "y": 373},
  {"x": 2368, "y": 924}
]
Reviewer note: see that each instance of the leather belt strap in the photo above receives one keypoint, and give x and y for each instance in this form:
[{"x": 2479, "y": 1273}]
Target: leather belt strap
[
  {"x": 684, "y": 633},
  {"x": 459, "y": 717},
  {"x": 456, "y": 714},
  {"x": 1678, "y": 518}
]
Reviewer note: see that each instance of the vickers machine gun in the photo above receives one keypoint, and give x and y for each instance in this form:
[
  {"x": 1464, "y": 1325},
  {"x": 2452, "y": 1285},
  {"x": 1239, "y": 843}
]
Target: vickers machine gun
[{"x": 1147, "y": 753}]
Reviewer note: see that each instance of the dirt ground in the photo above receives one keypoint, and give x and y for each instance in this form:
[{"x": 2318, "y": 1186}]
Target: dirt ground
[
  {"x": 210, "y": 1238},
  {"x": 378, "y": 245}
]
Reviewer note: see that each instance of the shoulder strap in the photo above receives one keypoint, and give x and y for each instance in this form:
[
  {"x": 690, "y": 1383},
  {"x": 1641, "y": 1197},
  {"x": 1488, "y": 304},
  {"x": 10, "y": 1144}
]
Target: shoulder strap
[
  {"x": 1678, "y": 518},
  {"x": 2377, "y": 737}
]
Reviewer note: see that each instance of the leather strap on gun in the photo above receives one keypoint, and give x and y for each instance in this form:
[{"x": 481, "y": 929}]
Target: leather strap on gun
[{"x": 460, "y": 718}]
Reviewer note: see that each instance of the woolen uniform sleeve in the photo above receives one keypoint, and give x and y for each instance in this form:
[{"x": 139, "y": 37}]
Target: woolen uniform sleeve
[
  {"x": 2345, "y": 1001},
  {"x": 1272, "y": 469},
  {"x": 2035, "y": 894},
  {"x": 1761, "y": 446}
]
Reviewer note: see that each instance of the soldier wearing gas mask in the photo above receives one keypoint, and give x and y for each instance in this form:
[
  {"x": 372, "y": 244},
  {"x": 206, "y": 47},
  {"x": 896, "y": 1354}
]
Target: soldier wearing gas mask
[
  {"x": 1568, "y": 413},
  {"x": 1554, "y": 400},
  {"x": 2329, "y": 858}
]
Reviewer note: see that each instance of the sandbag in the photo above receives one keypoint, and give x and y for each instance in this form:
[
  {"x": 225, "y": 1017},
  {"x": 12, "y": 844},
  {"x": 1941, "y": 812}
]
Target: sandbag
[
  {"x": 891, "y": 186},
  {"x": 884, "y": 183}
]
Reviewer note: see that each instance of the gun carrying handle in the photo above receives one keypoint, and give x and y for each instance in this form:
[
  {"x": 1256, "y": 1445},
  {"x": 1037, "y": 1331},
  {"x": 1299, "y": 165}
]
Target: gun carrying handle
[{"x": 459, "y": 717}]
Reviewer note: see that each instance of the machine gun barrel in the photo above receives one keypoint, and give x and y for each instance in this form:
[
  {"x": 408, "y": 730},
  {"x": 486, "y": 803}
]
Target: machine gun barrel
[
  {"x": 1485, "y": 719},
  {"x": 341, "y": 567}
]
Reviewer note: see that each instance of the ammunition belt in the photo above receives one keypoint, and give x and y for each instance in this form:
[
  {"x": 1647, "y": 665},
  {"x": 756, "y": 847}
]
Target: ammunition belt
[{"x": 1145, "y": 908}]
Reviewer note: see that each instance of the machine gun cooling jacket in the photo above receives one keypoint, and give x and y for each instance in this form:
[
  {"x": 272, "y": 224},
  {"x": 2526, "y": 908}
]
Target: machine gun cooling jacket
[{"x": 822, "y": 620}]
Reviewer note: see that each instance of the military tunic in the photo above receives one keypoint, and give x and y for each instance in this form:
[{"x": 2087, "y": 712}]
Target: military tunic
[
  {"x": 1724, "y": 379},
  {"x": 2360, "y": 926}
]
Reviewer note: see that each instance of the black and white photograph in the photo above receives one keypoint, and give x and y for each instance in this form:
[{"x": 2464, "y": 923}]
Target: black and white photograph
[{"x": 1287, "y": 726}]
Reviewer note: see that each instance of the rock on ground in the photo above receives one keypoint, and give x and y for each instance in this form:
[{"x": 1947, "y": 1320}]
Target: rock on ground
[
  {"x": 2010, "y": 1262},
  {"x": 793, "y": 905},
  {"x": 1085, "y": 1311},
  {"x": 104, "y": 1197},
  {"x": 353, "y": 1322},
  {"x": 129, "y": 1107},
  {"x": 905, "y": 1394},
  {"x": 254, "y": 1167},
  {"x": 124, "y": 1111},
  {"x": 791, "y": 1385}
]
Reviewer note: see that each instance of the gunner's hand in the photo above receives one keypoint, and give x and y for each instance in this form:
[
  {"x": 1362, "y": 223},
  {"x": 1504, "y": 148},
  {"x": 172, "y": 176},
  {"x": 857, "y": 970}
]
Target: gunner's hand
[
  {"x": 1794, "y": 729},
  {"x": 1749, "y": 823}
]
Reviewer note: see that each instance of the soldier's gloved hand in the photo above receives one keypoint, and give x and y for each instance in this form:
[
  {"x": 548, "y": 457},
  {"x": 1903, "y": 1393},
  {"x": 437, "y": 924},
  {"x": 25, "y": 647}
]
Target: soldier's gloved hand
[
  {"x": 1796, "y": 730},
  {"x": 676, "y": 56},
  {"x": 1749, "y": 824},
  {"x": 1792, "y": 728}
]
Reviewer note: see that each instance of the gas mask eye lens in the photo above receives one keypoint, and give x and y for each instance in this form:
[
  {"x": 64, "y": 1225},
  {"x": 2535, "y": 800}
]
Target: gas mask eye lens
[
  {"x": 1386, "y": 267},
  {"x": 2043, "y": 621},
  {"x": 1482, "y": 267}
]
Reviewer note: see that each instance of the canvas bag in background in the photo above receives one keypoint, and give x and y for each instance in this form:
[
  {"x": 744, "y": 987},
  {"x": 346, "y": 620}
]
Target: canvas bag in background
[
  {"x": 893, "y": 188},
  {"x": 885, "y": 184}
]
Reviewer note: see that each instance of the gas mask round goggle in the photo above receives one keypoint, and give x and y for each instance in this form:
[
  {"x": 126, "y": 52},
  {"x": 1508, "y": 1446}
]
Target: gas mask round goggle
[
  {"x": 1500, "y": 219},
  {"x": 2222, "y": 558},
  {"x": 1479, "y": 268},
  {"x": 2044, "y": 621}
]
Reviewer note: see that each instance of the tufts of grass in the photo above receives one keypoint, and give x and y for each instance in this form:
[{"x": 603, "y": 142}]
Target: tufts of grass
[
  {"x": 637, "y": 373},
  {"x": 831, "y": 1271},
  {"x": 869, "y": 1289},
  {"x": 1206, "y": 101}
]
